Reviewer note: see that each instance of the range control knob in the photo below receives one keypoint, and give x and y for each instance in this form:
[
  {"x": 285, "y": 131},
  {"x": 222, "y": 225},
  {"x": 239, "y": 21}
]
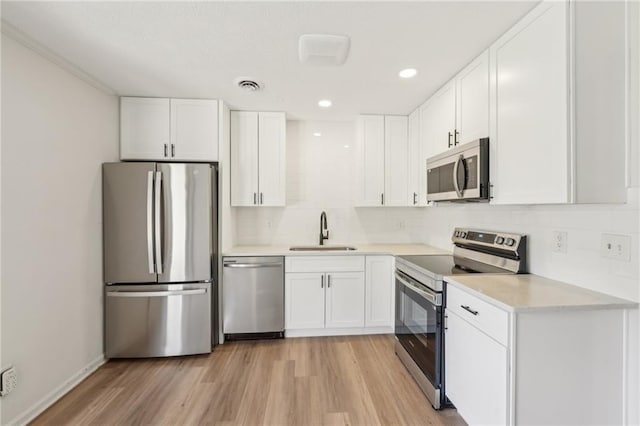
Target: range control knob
[
  {"x": 510, "y": 242},
  {"x": 499, "y": 240},
  {"x": 456, "y": 233},
  {"x": 464, "y": 234}
]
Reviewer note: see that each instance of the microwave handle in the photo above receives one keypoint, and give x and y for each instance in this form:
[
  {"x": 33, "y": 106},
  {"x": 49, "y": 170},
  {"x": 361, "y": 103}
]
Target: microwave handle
[{"x": 456, "y": 183}]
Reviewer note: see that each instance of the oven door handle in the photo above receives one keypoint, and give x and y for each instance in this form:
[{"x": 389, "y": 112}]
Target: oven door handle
[{"x": 431, "y": 296}]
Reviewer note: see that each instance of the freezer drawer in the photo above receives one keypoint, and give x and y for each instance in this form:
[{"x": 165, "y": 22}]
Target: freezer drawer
[
  {"x": 157, "y": 320},
  {"x": 253, "y": 295}
]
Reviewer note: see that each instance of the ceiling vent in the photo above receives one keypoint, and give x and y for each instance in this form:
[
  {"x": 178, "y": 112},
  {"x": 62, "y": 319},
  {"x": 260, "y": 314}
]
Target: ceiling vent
[
  {"x": 323, "y": 49},
  {"x": 249, "y": 84}
]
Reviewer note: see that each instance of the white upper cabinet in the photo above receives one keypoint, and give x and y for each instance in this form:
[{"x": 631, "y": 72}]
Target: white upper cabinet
[
  {"x": 395, "y": 156},
  {"x": 558, "y": 127},
  {"x": 438, "y": 120},
  {"x": 244, "y": 158},
  {"x": 194, "y": 130},
  {"x": 382, "y": 150},
  {"x": 370, "y": 151},
  {"x": 271, "y": 158},
  {"x": 472, "y": 101},
  {"x": 529, "y": 136},
  {"x": 459, "y": 111},
  {"x": 144, "y": 128},
  {"x": 417, "y": 163},
  {"x": 258, "y": 144},
  {"x": 168, "y": 129}
]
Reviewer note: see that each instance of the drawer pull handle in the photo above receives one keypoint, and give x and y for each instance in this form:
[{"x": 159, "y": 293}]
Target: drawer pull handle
[{"x": 468, "y": 309}]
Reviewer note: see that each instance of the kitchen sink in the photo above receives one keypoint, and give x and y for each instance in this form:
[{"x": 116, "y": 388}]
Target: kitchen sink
[{"x": 322, "y": 248}]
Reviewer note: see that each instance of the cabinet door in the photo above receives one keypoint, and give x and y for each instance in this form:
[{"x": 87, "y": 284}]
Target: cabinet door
[
  {"x": 194, "y": 129},
  {"x": 395, "y": 158},
  {"x": 438, "y": 120},
  {"x": 144, "y": 129},
  {"x": 379, "y": 294},
  {"x": 244, "y": 158},
  {"x": 476, "y": 373},
  {"x": 472, "y": 100},
  {"x": 271, "y": 158},
  {"x": 370, "y": 161},
  {"x": 529, "y": 133},
  {"x": 345, "y": 299},
  {"x": 417, "y": 163},
  {"x": 304, "y": 300}
]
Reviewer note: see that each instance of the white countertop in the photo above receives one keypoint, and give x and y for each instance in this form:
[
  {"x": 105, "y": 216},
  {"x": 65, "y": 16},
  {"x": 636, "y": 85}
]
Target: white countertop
[
  {"x": 361, "y": 249},
  {"x": 528, "y": 292}
]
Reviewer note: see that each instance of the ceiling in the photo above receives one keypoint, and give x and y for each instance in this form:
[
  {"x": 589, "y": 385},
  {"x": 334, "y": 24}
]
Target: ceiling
[{"x": 197, "y": 49}]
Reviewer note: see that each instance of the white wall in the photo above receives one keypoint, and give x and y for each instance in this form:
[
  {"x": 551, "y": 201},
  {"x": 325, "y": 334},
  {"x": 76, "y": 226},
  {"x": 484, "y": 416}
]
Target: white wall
[
  {"x": 320, "y": 176},
  {"x": 56, "y": 131}
]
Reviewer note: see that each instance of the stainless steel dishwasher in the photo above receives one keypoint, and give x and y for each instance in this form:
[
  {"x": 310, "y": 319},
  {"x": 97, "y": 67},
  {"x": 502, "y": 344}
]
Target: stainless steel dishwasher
[{"x": 253, "y": 297}]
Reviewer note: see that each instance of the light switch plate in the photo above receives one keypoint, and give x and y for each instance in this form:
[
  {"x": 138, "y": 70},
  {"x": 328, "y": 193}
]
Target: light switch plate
[{"x": 616, "y": 246}]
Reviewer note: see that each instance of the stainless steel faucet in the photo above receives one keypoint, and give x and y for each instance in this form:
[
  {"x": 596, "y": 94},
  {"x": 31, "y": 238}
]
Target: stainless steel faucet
[{"x": 323, "y": 228}]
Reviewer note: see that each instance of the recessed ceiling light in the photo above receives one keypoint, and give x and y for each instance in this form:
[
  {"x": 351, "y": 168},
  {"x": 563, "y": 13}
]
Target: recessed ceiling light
[
  {"x": 325, "y": 103},
  {"x": 408, "y": 73},
  {"x": 317, "y": 134},
  {"x": 346, "y": 146}
]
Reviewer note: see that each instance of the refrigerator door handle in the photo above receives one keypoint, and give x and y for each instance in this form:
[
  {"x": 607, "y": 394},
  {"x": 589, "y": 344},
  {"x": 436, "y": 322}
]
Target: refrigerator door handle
[
  {"x": 156, "y": 293},
  {"x": 158, "y": 223},
  {"x": 152, "y": 269}
]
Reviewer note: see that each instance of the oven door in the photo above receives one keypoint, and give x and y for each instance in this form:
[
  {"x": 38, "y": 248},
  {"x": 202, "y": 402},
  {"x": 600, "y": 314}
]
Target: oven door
[{"x": 418, "y": 327}]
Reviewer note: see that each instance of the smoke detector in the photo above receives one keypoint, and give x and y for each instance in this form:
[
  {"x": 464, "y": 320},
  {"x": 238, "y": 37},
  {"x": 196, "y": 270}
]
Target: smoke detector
[
  {"x": 323, "y": 49},
  {"x": 249, "y": 84}
]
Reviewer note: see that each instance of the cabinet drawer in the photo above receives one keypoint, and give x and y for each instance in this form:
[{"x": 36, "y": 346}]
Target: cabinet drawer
[
  {"x": 488, "y": 318},
  {"x": 324, "y": 263}
]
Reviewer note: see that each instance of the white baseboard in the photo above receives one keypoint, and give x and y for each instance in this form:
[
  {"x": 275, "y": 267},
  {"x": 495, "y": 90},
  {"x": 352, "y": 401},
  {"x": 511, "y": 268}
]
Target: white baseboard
[
  {"x": 38, "y": 408},
  {"x": 323, "y": 332}
]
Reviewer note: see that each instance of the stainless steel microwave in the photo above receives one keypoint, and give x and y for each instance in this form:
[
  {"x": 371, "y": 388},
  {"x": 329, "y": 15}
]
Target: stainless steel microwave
[{"x": 460, "y": 174}]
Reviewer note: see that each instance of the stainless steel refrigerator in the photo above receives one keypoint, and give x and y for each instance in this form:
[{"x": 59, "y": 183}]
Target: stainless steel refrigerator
[{"x": 160, "y": 237}]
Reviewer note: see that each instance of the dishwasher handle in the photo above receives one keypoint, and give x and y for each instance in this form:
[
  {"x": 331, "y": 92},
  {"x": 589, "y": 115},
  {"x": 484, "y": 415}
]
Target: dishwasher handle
[{"x": 252, "y": 265}]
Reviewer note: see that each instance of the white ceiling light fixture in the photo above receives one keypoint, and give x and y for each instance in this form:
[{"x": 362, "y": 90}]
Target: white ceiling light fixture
[
  {"x": 317, "y": 134},
  {"x": 323, "y": 49},
  {"x": 324, "y": 103},
  {"x": 408, "y": 73}
]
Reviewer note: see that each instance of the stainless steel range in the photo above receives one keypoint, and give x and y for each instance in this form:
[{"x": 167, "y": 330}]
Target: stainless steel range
[{"x": 421, "y": 298}]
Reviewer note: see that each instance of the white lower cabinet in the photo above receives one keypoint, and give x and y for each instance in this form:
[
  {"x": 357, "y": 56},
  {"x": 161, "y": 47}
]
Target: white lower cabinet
[
  {"x": 476, "y": 373},
  {"x": 533, "y": 367},
  {"x": 344, "y": 300},
  {"x": 379, "y": 293},
  {"x": 324, "y": 300},
  {"x": 323, "y": 293},
  {"x": 338, "y": 295},
  {"x": 304, "y": 300}
]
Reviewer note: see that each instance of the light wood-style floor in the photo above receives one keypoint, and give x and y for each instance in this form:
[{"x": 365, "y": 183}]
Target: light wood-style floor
[{"x": 308, "y": 381}]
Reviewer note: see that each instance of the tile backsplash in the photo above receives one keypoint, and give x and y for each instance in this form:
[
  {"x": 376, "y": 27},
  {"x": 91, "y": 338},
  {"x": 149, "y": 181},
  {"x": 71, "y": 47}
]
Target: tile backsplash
[{"x": 320, "y": 176}]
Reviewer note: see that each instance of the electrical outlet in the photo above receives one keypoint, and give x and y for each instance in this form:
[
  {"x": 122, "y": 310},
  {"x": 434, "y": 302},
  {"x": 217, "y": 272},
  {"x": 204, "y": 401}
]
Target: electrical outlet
[
  {"x": 559, "y": 241},
  {"x": 616, "y": 246},
  {"x": 402, "y": 224},
  {"x": 268, "y": 223},
  {"x": 9, "y": 381}
]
